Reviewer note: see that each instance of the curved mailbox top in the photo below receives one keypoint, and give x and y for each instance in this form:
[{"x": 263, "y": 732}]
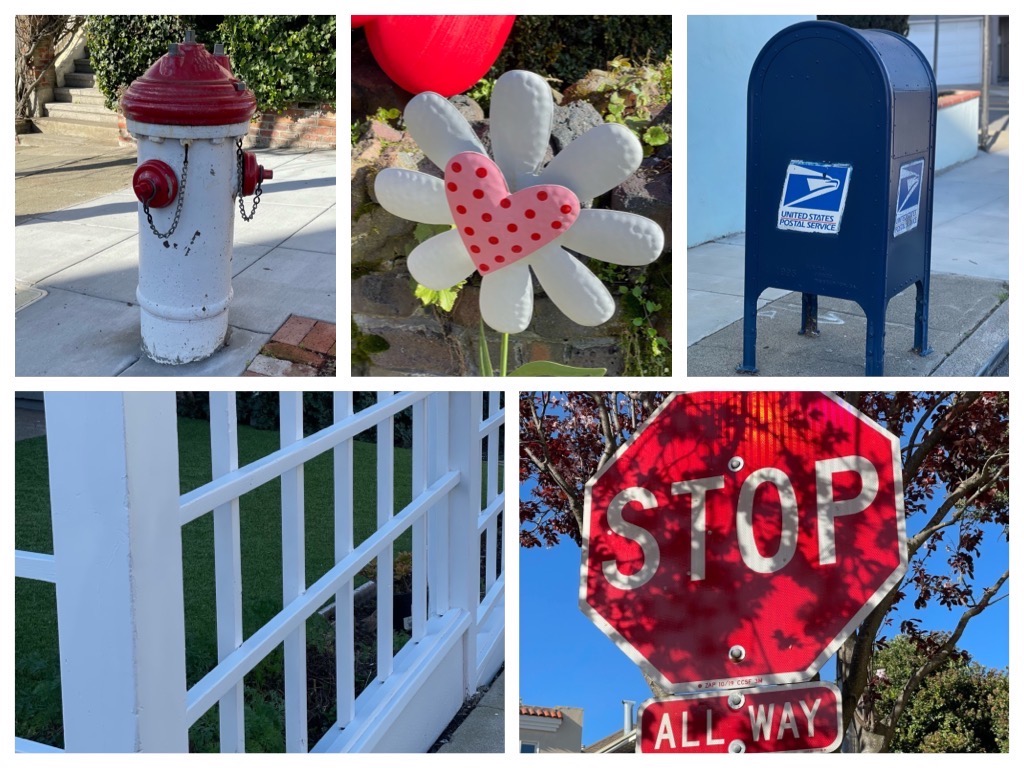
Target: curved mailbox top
[
  {"x": 901, "y": 65},
  {"x": 188, "y": 86}
]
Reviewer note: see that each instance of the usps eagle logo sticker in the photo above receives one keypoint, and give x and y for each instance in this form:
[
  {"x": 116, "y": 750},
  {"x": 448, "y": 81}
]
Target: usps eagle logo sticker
[
  {"x": 813, "y": 197},
  {"x": 908, "y": 197}
]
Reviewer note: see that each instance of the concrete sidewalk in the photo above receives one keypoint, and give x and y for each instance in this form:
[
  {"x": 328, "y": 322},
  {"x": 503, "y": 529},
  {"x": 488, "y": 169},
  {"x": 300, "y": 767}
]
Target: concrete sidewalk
[
  {"x": 483, "y": 730},
  {"x": 968, "y": 315},
  {"x": 76, "y": 266}
]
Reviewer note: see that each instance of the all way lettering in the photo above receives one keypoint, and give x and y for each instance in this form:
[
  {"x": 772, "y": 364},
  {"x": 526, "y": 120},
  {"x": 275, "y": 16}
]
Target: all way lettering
[{"x": 802, "y": 717}]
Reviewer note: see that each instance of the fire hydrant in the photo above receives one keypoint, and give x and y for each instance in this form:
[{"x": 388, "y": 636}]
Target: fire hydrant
[{"x": 189, "y": 114}]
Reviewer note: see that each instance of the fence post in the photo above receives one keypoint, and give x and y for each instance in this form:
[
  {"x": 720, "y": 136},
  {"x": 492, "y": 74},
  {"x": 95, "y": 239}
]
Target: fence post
[
  {"x": 227, "y": 558},
  {"x": 117, "y": 549},
  {"x": 464, "y": 416}
]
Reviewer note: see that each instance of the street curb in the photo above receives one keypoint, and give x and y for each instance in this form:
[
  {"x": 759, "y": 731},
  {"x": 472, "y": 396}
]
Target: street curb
[
  {"x": 983, "y": 349},
  {"x": 997, "y": 359}
]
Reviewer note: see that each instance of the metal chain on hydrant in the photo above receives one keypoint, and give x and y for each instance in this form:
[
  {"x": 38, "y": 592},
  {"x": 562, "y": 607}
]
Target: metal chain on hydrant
[
  {"x": 259, "y": 186},
  {"x": 177, "y": 208}
]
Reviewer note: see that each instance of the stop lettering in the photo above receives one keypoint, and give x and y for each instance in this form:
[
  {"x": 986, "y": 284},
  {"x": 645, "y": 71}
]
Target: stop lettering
[{"x": 739, "y": 537}]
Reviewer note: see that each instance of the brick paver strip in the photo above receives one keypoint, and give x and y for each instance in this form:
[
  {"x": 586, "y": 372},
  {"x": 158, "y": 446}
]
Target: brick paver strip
[
  {"x": 321, "y": 338},
  {"x": 294, "y": 369},
  {"x": 294, "y": 329},
  {"x": 293, "y": 353},
  {"x": 268, "y": 366}
]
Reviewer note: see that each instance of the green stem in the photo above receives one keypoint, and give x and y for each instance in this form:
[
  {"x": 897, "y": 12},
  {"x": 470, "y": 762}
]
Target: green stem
[{"x": 504, "y": 354}]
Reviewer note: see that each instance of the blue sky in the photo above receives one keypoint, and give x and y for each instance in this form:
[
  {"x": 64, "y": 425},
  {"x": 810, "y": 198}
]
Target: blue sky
[{"x": 566, "y": 660}]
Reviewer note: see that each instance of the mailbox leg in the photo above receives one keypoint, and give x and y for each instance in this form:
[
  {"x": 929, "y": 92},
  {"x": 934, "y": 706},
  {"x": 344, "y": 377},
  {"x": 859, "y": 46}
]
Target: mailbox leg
[
  {"x": 875, "y": 356},
  {"x": 809, "y": 315},
  {"x": 749, "y": 364},
  {"x": 921, "y": 319}
]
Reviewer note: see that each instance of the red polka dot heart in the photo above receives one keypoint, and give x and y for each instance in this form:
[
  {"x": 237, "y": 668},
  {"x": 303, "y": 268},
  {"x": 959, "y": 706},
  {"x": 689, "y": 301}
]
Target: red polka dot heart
[{"x": 499, "y": 228}]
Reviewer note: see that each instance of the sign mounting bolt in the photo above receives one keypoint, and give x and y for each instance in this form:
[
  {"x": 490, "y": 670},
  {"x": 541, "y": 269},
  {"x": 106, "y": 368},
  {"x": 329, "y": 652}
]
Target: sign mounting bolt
[
  {"x": 735, "y": 700},
  {"x": 737, "y": 653},
  {"x": 735, "y": 463},
  {"x": 736, "y": 746}
]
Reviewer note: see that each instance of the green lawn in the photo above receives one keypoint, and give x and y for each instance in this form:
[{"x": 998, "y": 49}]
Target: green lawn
[{"x": 37, "y": 671}]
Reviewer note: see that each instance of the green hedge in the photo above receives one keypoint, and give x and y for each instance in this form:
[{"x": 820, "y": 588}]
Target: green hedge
[
  {"x": 567, "y": 47},
  {"x": 123, "y": 47},
  {"x": 283, "y": 59}
]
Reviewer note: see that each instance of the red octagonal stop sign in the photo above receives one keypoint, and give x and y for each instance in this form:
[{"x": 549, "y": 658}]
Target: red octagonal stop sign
[{"x": 740, "y": 537}]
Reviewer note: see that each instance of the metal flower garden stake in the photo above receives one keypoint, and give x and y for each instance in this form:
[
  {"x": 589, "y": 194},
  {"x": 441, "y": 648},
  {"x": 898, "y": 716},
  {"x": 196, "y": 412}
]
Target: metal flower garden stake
[{"x": 512, "y": 214}]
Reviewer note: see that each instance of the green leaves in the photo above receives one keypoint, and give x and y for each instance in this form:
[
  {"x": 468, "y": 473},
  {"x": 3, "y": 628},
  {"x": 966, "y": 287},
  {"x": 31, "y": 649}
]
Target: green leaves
[
  {"x": 655, "y": 136},
  {"x": 548, "y": 368},
  {"x": 284, "y": 60},
  {"x": 444, "y": 299}
]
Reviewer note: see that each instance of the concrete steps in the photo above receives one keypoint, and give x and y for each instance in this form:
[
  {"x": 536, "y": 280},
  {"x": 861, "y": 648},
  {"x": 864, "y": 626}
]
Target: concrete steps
[
  {"x": 91, "y": 129},
  {"x": 79, "y": 95},
  {"x": 78, "y": 109}
]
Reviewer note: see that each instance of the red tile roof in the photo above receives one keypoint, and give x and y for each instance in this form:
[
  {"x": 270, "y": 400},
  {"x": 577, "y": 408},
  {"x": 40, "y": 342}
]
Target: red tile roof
[{"x": 539, "y": 712}]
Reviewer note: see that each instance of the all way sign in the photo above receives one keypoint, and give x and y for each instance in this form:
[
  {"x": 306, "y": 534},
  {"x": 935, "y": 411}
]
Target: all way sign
[{"x": 805, "y": 717}]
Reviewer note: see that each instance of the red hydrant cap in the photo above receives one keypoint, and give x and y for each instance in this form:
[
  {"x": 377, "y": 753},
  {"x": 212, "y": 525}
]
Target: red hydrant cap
[{"x": 188, "y": 86}]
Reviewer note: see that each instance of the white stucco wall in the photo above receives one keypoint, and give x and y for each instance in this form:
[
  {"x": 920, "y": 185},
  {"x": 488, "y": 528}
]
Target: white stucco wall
[
  {"x": 721, "y": 51},
  {"x": 956, "y": 134}
]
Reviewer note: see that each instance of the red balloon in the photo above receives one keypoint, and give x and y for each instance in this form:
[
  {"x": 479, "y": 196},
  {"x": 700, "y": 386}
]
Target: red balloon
[{"x": 444, "y": 54}]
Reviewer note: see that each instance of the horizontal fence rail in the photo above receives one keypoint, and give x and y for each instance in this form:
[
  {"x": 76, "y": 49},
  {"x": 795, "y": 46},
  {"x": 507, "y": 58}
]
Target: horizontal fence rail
[{"x": 117, "y": 526}]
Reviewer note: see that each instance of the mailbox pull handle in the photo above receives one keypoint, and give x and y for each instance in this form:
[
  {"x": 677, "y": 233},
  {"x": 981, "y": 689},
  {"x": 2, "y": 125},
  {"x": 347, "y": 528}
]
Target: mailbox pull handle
[{"x": 177, "y": 207}]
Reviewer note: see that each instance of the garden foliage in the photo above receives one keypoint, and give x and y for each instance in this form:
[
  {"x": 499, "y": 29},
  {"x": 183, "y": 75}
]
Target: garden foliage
[{"x": 284, "y": 60}]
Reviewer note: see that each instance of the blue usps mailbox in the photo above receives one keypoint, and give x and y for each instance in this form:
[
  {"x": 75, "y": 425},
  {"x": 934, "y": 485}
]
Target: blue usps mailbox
[{"x": 840, "y": 160}]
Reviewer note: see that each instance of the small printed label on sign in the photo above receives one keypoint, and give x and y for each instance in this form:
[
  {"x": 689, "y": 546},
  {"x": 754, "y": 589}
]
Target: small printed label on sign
[
  {"x": 731, "y": 682},
  {"x": 908, "y": 197},
  {"x": 813, "y": 197}
]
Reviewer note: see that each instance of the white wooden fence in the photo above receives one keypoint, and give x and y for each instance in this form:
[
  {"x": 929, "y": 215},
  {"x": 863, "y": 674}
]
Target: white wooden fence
[{"x": 117, "y": 565}]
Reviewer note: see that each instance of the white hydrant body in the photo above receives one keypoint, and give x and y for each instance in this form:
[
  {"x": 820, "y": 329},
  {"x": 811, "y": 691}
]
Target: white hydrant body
[
  {"x": 185, "y": 280},
  {"x": 187, "y": 114}
]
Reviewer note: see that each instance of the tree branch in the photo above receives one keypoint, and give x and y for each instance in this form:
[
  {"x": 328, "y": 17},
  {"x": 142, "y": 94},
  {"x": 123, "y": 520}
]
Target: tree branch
[
  {"x": 938, "y": 432},
  {"x": 604, "y": 417}
]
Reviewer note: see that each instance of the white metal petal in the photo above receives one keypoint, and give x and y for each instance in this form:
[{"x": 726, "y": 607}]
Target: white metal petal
[
  {"x": 440, "y": 262},
  {"x": 615, "y": 237},
  {"x": 413, "y": 195},
  {"x": 521, "y": 114},
  {"x": 438, "y": 128},
  {"x": 597, "y": 161},
  {"x": 506, "y": 298},
  {"x": 576, "y": 290}
]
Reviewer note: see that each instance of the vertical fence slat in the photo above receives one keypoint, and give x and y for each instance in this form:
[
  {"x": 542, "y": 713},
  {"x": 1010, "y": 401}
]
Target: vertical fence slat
[
  {"x": 419, "y": 529},
  {"x": 227, "y": 553},
  {"x": 491, "y": 559},
  {"x": 438, "y": 599},
  {"x": 344, "y": 619},
  {"x": 293, "y": 566},
  {"x": 464, "y": 455},
  {"x": 386, "y": 559},
  {"x": 113, "y": 460}
]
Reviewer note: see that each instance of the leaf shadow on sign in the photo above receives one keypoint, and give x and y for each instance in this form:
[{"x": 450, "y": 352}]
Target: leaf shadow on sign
[{"x": 753, "y": 576}]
